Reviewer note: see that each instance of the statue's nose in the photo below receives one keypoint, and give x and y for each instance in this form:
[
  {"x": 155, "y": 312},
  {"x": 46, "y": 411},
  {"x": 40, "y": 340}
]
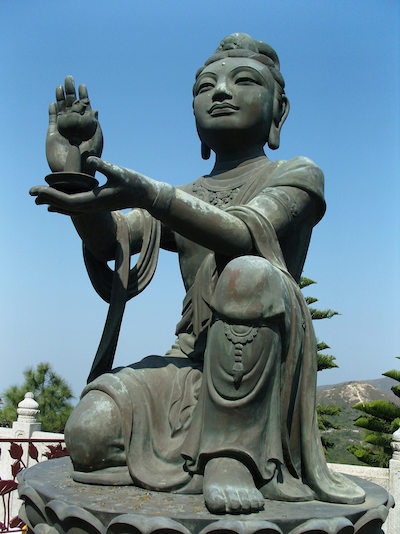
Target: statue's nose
[{"x": 221, "y": 91}]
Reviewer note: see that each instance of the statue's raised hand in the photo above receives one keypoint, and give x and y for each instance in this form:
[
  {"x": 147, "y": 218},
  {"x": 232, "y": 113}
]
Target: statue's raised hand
[{"x": 72, "y": 122}]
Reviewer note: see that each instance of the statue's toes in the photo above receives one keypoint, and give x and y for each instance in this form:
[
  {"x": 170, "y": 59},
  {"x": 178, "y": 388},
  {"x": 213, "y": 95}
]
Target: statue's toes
[
  {"x": 215, "y": 501},
  {"x": 245, "y": 500},
  {"x": 233, "y": 501},
  {"x": 257, "y": 500}
]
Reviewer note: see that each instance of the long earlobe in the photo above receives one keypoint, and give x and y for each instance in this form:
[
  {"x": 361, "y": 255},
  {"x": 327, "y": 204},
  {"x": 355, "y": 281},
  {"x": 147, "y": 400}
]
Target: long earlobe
[
  {"x": 205, "y": 151},
  {"x": 274, "y": 138},
  {"x": 275, "y": 131}
]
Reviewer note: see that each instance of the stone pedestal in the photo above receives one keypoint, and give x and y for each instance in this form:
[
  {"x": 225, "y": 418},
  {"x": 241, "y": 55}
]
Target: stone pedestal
[
  {"x": 27, "y": 424},
  {"x": 55, "y": 504}
]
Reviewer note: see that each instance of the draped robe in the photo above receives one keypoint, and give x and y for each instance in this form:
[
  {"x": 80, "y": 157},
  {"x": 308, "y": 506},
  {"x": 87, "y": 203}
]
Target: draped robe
[{"x": 174, "y": 418}]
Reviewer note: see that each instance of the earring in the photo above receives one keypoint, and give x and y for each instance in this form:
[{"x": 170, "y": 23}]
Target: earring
[{"x": 205, "y": 151}]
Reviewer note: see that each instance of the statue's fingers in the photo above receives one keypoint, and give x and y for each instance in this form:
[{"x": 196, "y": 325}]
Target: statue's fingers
[
  {"x": 34, "y": 191},
  {"x": 44, "y": 192},
  {"x": 62, "y": 202},
  {"x": 49, "y": 195},
  {"x": 52, "y": 116},
  {"x": 83, "y": 95},
  {"x": 53, "y": 209},
  {"x": 83, "y": 92},
  {"x": 44, "y": 198},
  {"x": 70, "y": 93},
  {"x": 60, "y": 97},
  {"x": 109, "y": 170}
]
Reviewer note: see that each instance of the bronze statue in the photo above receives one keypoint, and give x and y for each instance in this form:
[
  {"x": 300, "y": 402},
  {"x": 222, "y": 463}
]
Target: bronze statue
[{"x": 230, "y": 410}]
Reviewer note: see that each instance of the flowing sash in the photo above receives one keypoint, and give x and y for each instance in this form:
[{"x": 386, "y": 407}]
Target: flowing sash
[{"x": 118, "y": 286}]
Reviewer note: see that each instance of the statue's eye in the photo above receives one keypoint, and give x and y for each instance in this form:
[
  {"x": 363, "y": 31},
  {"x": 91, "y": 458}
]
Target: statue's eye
[
  {"x": 204, "y": 87},
  {"x": 246, "y": 80}
]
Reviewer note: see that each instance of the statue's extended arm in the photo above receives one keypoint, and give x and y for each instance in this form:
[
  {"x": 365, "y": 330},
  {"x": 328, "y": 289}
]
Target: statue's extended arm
[
  {"x": 91, "y": 211},
  {"x": 207, "y": 225},
  {"x": 221, "y": 231}
]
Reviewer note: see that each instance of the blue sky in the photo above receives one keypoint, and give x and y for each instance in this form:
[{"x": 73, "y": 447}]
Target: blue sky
[{"x": 340, "y": 61}]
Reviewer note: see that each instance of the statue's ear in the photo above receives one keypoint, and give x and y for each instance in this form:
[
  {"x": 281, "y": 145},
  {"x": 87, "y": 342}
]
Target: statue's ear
[
  {"x": 280, "y": 115},
  {"x": 205, "y": 151}
]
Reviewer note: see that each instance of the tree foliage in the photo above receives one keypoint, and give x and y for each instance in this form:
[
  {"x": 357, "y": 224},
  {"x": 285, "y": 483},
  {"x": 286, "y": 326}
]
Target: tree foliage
[
  {"x": 380, "y": 420},
  {"x": 325, "y": 361},
  {"x": 50, "y": 391}
]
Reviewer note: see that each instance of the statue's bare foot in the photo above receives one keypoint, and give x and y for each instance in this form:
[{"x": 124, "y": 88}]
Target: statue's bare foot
[{"x": 229, "y": 488}]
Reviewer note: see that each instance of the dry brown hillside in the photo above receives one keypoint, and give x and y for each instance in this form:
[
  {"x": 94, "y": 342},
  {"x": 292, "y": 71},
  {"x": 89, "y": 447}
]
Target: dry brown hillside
[
  {"x": 347, "y": 395},
  {"x": 351, "y": 393}
]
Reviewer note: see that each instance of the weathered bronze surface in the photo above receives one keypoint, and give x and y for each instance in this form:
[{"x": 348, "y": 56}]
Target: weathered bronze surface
[
  {"x": 229, "y": 411},
  {"x": 54, "y": 503}
]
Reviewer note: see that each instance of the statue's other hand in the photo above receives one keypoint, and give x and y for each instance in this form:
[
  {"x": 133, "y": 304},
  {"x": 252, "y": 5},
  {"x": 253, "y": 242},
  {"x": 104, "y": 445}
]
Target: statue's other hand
[
  {"x": 124, "y": 189},
  {"x": 72, "y": 120}
]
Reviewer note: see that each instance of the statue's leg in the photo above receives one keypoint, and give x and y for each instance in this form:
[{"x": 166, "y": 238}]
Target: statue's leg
[
  {"x": 241, "y": 437},
  {"x": 129, "y": 424},
  {"x": 94, "y": 439}
]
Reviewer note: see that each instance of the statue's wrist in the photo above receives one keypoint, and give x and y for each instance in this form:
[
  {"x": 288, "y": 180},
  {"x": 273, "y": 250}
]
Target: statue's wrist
[{"x": 162, "y": 201}]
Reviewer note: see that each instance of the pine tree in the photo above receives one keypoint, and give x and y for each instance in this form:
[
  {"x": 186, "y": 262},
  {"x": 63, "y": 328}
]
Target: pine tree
[
  {"x": 324, "y": 412},
  {"x": 51, "y": 392},
  {"x": 325, "y": 361},
  {"x": 381, "y": 419}
]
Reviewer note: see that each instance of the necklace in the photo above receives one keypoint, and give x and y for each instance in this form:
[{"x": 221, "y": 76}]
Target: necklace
[{"x": 216, "y": 196}]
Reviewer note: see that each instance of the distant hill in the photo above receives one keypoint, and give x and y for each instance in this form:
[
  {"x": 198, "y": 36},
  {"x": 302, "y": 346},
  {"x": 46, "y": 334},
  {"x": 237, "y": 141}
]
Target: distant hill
[
  {"x": 350, "y": 393},
  {"x": 347, "y": 395},
  {"x": 383, "y": 383}
]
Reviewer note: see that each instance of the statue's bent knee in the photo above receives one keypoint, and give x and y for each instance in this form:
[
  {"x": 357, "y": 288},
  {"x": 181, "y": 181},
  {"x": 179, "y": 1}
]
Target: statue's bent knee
[
  {"x": 250, "y": 290},
  {"x": 93, "y": 433},
  {"x": 244, "y": 342}
]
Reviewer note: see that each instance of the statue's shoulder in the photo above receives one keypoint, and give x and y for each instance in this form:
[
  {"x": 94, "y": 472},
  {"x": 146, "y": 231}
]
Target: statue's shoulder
[
  {"x": 299, "y": 172},
  {"x": 296, "y": 165}
]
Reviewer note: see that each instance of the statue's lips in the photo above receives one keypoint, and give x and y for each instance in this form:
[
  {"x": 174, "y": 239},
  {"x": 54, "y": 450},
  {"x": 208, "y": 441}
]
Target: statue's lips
[{"x": 222, "y": 109}]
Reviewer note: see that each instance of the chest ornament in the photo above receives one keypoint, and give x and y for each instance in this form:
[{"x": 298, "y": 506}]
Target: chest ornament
[{"x": 219, "y": 198}]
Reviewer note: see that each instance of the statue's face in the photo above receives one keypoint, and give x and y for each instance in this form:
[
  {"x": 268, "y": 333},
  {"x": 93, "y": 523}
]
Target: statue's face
[{"x": 234, "y": 96}]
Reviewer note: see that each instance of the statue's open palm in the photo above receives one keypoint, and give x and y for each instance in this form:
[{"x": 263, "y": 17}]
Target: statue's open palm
[{"x": 72, "y": 120}]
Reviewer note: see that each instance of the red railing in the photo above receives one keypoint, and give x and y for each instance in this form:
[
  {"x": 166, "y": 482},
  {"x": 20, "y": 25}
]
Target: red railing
[{"x": 9, "y": 487}]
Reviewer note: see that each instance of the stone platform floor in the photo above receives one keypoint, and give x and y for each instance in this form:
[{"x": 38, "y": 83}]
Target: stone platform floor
[{"x": 55, "y": 504}]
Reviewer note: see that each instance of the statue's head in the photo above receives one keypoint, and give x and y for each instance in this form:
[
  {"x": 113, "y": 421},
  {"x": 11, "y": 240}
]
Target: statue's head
[{"x": 239, "y": 95}]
